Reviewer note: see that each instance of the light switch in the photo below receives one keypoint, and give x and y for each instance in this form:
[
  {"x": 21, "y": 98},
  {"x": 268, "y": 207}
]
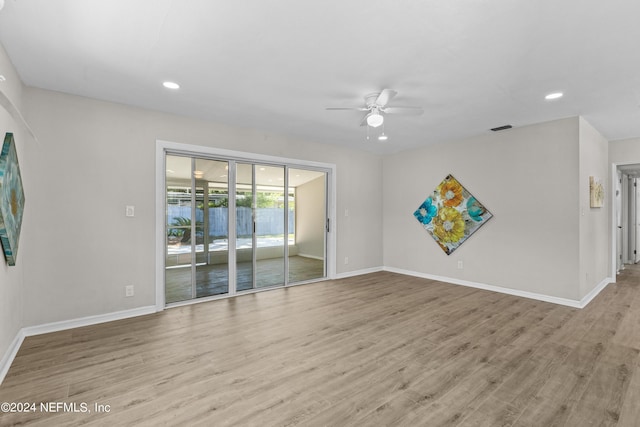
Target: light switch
[{"x": 130, "y": 211}]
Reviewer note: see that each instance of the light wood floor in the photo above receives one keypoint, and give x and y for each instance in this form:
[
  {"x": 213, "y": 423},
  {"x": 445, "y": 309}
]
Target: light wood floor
[{"x": 374, "y": 350}]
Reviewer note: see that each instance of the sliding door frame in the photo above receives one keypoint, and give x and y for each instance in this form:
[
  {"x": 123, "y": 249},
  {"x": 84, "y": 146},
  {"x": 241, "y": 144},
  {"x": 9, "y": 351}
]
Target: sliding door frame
[{"x": 167, "y": 147}]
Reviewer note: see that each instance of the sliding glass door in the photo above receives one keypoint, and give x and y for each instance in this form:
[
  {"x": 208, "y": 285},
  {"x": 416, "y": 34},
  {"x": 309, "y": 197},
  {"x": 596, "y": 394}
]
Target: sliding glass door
[
  {"x": 270, "y": 230},
  {"x": 309, "y": 225},
  {"x": 212, "y": 227},
  {"x": 278, "y": 218},
  {"x": 197, "y": 227},
  {"x": 261, "y": 231}
]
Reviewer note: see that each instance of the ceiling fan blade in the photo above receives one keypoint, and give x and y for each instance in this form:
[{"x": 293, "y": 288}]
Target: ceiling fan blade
[
  {"x": 364, "y": 120},
  {"x": 407, "y": 111},
  {"x": 385, "y": 96},
  {"x": 348, "y": 108}
]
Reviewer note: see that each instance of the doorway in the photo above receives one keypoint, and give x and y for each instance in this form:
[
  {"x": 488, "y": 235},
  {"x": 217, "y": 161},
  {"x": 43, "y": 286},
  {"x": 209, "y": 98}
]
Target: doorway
[
  {"x": 236, "y": 225},
  {"x": 626, "y": 215}
]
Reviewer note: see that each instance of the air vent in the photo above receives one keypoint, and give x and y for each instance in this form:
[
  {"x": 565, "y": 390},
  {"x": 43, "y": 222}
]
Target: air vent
[{"x": 499, "y": 128}]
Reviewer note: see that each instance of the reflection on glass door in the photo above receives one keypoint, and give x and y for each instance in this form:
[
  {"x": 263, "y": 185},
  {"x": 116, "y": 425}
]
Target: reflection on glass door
[
  {"x": 196, "y": 263},
  {"x": 308, "y": 207}
]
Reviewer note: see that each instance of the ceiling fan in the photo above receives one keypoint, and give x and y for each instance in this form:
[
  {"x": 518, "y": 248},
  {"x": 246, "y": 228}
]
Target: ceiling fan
[{"x": 376, "y": 107}]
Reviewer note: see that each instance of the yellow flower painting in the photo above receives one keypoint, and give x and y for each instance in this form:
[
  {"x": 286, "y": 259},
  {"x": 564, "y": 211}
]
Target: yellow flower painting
[
  {"x": 448, "y": 225},
  {"x": 451, "y": 214}
]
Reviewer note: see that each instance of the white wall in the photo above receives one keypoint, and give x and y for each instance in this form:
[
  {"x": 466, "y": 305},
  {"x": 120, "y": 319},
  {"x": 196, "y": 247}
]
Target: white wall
[
  {"x": 12, "y": 278},
  {"x": 625, "y": 151},
  {"x": 310, "y": 218},
  {"x": 527, "y": 177},
  {"x": 96, "y": 157},
  {"x": 594, "y": 222}
]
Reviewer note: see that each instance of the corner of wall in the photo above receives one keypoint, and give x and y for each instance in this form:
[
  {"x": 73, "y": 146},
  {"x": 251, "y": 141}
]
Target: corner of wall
[{"x": 595, "y": 242}]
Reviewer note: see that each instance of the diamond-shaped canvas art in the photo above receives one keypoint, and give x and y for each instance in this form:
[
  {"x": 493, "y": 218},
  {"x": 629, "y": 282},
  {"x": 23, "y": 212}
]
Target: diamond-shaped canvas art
[{"x": 451, "y": 214}]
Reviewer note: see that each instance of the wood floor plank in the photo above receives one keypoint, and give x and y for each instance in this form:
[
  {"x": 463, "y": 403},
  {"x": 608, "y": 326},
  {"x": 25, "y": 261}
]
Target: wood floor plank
[
  {"x": 377, "y": 349},
  {"x": 627, "y": 332},
  {"x": 630, "y": 411},
  {"x": 604, "y": 396}
]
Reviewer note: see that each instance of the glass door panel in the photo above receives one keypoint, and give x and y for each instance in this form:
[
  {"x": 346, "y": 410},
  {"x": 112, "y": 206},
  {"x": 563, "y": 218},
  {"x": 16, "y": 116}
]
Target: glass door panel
[
  {"x": 211, "y": 227},
  {"x": 270, "y": 230},
  {"x": 179, "y": 211},
  {"x": 307, "y": 232},
  {"x": 244, "y": 194},
  {"x": 196, "y": 263}
]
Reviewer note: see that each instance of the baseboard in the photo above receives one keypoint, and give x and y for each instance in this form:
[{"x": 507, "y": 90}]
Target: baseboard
[
  {"x": 595, "y": 291},
  {"x": 358, "y": 272},
  {"x": 10, "y": 354},
  {"x": 87, "y": 321},
  {"x": 46, "y": 328},
  {"x": 515, "y": 292}
]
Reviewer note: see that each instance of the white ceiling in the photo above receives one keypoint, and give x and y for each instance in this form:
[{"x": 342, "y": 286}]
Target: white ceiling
[{"x": 275, "y": 65}]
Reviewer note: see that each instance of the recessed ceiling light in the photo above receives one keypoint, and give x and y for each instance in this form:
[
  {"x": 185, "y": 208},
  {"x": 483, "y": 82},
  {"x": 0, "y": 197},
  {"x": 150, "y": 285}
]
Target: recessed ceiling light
[
  {"x": 554, "y": 95},
  {"x": 171, "y": 85}
]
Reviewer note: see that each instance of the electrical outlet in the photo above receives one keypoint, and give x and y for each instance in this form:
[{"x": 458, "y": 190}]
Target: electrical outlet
[
  {"x": 128, "y": 291},
  {"x": 460, "y": 265},
  {"x": 346, "y": 260}
]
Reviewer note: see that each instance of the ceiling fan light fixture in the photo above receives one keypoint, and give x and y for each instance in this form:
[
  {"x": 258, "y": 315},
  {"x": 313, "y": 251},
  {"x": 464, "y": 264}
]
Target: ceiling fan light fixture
[{"x": 375, "y": 119}]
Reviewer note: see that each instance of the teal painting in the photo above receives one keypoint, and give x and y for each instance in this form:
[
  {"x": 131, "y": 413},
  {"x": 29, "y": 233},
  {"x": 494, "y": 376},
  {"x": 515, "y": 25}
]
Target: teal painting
[{"x": 11, "y": 200}]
